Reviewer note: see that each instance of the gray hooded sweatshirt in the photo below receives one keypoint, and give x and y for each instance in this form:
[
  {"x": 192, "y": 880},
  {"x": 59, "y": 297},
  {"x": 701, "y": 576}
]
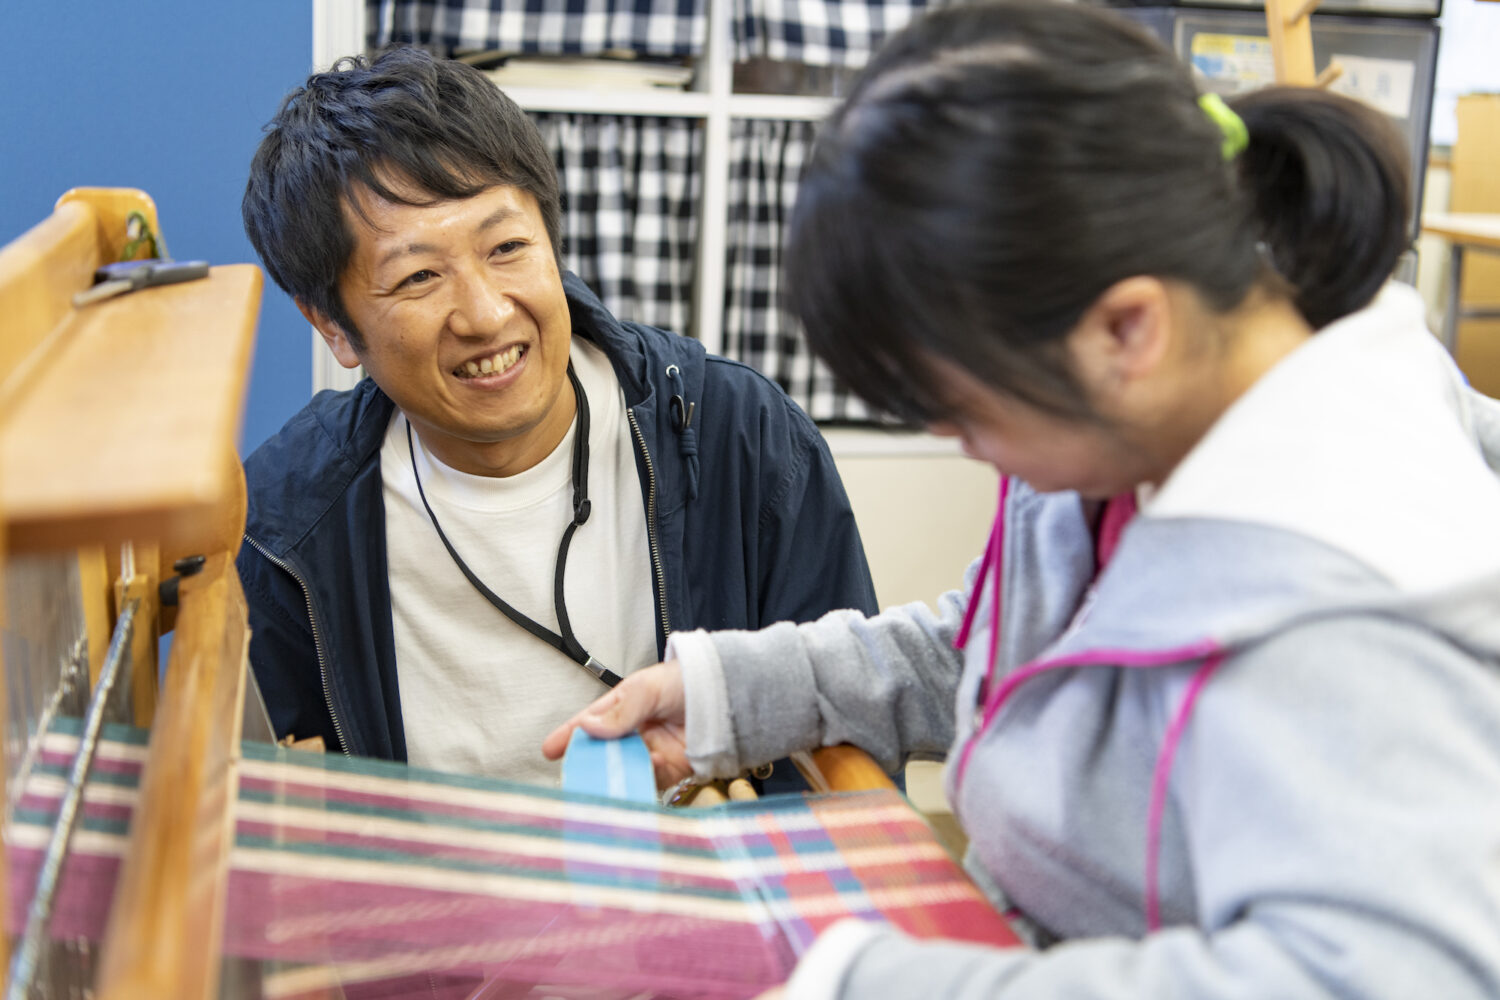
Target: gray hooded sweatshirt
[{"x": 1257, "y": 756}]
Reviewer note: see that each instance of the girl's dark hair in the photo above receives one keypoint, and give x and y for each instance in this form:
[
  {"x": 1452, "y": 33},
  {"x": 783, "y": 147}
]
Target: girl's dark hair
[
  {"x": 1331, "y": 181},
  {"x": 406, "y": 117},
  {"x": 998, "y": 167}
]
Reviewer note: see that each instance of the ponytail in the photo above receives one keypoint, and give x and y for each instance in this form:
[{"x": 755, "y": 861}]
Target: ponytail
[
  {"x": 999, "y": 165},
  {"x": 1331, "y": 186}
]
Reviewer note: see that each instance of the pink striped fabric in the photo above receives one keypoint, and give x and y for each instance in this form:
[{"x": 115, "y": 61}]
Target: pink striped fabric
[{"x": 388, "y": 882}]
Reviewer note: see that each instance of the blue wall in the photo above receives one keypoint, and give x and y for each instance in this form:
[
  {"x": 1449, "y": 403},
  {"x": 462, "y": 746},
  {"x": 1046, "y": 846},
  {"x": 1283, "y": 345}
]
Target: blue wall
[{"x": 168, "y": 96}]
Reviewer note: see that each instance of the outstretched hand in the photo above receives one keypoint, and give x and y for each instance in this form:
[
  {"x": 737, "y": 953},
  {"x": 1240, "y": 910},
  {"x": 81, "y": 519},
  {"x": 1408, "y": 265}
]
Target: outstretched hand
[{"x": 649, "y": 701}]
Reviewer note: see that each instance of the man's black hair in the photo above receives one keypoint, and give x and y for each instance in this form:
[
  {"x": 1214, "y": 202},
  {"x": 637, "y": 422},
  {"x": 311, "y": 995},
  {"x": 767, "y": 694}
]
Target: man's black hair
[{"x": 405, "y": 121}]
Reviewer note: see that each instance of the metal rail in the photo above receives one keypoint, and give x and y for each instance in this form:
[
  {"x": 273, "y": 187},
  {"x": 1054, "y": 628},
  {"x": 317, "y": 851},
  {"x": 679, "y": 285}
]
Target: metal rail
[{"x": 27, "y": 958}]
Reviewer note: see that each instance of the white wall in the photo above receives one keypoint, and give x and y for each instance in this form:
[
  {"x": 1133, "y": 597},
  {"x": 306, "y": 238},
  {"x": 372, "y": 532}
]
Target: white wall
[
  {"x": 1466, "y": 61},
  {"x": 924, "y": 509}
]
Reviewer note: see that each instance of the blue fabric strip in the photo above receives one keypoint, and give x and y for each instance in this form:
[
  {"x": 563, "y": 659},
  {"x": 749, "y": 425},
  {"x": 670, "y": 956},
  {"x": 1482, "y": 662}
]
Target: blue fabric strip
[{"x": 617, "y": 769}]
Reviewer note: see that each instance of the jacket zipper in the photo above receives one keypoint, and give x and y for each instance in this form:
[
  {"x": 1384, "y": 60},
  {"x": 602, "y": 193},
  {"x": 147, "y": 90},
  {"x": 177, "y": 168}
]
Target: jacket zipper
[
  {"x": 312, "y": 621},
  {"x": 661, "y": 578}
]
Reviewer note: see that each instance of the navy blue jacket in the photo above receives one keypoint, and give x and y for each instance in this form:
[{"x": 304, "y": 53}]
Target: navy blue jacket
[{"x": 749, "y": 521}]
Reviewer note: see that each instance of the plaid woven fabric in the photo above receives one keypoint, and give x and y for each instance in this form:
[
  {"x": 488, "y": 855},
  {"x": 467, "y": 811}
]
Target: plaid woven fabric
[
  {"x": 672, "y": 28},
  {"x": 818, "y": 32},
  {"x": 379, "y": 880},
  {"x": 630, "y": 210},
  {"x": 766, "y": 159}
]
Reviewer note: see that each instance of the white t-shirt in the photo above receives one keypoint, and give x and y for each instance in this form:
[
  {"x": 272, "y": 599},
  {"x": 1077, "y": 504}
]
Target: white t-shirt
[{"x": 478, "y": 693}]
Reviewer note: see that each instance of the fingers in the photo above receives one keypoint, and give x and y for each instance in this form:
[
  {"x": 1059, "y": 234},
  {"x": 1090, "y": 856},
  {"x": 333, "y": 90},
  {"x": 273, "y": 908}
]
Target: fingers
[
  {"x": 650, "y": 695},
  {"x": 668, "y": 754},
  {"x": 556, "y": 743},
  {"x": 623, "y": 710},
  {"x": 650, "y": 701},
  {"x": 669, "y": 770}
]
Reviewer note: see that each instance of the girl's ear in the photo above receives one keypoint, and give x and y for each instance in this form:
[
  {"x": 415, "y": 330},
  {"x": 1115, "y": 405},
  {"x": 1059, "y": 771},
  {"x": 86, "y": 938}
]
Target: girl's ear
[
  {"x": 333, "y": 335},
  {"x": 1123, "y": 337}
]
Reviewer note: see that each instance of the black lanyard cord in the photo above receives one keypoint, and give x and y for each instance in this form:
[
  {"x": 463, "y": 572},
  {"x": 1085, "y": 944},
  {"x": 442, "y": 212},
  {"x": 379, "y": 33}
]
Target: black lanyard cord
[{"x": 566, "y": 643}]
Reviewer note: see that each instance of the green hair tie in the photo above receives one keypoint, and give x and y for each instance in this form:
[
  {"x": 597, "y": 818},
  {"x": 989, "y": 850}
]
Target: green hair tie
[{"x": 1236, "y": 136}]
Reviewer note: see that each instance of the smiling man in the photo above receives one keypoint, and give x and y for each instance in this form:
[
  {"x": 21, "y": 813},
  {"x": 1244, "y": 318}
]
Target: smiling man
[{"x": 526, "y": 495}]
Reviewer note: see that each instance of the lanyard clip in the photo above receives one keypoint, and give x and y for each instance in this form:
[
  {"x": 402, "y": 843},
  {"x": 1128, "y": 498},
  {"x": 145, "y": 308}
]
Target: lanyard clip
[{"x": 599, "y": 670}]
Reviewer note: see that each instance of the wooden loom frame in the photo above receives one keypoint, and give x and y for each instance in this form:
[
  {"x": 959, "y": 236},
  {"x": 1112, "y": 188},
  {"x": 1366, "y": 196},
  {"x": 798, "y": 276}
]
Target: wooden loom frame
[{"x": 117, "y": 425}]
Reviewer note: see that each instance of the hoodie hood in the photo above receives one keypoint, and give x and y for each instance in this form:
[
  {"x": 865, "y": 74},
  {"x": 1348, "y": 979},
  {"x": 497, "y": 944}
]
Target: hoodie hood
[
  {"x": 1358, "y": 476},
  {"x": 1365, "y": 439}
]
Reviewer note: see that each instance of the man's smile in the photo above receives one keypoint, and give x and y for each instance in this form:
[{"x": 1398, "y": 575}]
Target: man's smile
[{"x": 495, "y": 364}]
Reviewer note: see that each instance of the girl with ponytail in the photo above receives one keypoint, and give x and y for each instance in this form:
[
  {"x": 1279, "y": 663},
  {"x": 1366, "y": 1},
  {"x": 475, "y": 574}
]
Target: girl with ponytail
[{"x": 1227, "y": 676}]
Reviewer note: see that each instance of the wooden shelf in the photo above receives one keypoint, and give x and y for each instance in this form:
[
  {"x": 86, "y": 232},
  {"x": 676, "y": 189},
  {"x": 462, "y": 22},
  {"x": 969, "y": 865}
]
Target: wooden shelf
[
  {"x": 671, "y": 103},
  {"x": 781, "y": 107},
  {"x": 1480, "y": 229},
  {"x": 663, "y": 102}
]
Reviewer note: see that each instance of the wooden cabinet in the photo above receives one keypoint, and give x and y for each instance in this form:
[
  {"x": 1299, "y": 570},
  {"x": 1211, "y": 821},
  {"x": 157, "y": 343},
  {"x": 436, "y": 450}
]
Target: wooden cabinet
[{"x": 1476, "y": 188}]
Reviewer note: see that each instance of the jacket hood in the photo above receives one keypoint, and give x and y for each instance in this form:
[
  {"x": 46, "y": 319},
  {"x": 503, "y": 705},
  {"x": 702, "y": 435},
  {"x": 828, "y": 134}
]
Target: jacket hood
[
  {"x": 663, "y": 380},
  {"x": 634, "y": 358}
]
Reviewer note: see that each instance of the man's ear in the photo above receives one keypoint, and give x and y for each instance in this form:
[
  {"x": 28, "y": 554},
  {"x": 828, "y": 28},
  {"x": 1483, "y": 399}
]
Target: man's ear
[
  {"x": 1124, "y": 335},
  {"x": 333, "y": 335}
]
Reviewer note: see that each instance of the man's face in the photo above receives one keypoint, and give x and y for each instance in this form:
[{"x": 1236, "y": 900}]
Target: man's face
[{"x": 465, "y": 324}]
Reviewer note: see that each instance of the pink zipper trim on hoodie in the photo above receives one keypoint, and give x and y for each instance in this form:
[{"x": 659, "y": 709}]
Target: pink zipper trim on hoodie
[
  {"x": 1207, "y": 650},
  {"x": 1117, "y": 514},
  {"x": 1127, "y": 658},
  {"x": 991, "y": 561},
  {"x": 1159, "y": 781},
  {"x": 989, "y": 567}
]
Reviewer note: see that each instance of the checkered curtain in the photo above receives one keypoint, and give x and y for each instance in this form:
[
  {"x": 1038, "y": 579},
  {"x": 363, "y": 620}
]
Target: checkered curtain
[
  {"x": 766, "y": 160},
  {"x": 631, "y": 188},
  {"x": 818, "y": 32},
  {"x": 631, "y": 185},
  {"x": 671, "y": 28}
]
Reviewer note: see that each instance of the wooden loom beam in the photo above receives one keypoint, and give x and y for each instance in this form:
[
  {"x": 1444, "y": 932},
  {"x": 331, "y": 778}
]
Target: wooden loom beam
[
  {"x": 847, "y": 768},
  {"x": 841, "y": 768},
  {"x": 122, "y": 434}
]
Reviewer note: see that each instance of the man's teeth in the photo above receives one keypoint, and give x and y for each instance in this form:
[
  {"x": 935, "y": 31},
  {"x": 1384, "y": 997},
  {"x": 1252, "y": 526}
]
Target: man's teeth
[{"x": 493, "y": 365}]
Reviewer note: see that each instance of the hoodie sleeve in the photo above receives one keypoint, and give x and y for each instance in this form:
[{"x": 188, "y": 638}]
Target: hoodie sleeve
[
  {"x": 885, "y": 683},
  {"x": 1339, "y": 793}
]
